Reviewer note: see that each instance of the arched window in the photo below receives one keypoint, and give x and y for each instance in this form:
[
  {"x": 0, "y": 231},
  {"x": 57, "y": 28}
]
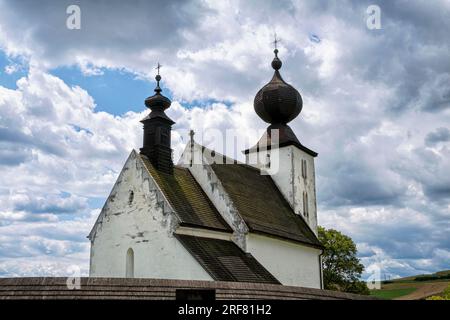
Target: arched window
[{"x": 130, "y": 264}]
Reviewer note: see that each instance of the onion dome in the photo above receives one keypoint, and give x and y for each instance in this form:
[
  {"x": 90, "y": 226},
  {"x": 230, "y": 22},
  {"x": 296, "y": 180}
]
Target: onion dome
[
  {"x": 157, "y": 100},
  {"x": 157, "y": 103},
  {"x": 277, "y": 102}
]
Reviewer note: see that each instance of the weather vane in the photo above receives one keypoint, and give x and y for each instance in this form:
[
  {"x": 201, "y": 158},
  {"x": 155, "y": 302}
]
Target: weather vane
[{"x": 158, "y": 67}]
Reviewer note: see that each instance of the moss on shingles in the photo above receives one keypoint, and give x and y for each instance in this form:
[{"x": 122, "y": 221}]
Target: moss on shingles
[{"x": 185, "y": 195}]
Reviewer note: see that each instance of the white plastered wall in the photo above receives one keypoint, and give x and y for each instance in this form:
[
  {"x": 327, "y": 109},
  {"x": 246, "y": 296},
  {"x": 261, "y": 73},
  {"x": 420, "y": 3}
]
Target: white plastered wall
[{"x": 291, "y": 263}]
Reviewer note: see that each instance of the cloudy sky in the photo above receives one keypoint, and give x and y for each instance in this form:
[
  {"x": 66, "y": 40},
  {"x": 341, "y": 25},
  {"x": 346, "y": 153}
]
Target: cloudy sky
[{"x": 376, "y": 109}]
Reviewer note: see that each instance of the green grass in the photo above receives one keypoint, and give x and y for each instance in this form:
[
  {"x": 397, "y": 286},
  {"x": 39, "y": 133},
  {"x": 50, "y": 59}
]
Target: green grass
[{"x": 392, "y": 293}]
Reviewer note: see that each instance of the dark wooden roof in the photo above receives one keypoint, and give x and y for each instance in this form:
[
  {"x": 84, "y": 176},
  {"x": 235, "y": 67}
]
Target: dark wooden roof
[
  {"x": 262, "y": 205},
  {"x": 225, "y": 261},
  {"x": 187, "y": 198}
]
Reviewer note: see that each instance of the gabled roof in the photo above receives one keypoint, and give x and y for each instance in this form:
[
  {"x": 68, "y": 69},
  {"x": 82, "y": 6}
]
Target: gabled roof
[
  {"x": 187, "y": 198},
  {"x": 261, "y": 204},
  {"x": 225, "y": 261}
]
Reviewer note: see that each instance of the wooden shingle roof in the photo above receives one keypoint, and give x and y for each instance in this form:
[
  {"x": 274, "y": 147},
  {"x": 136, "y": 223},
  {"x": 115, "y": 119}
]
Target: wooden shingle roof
[
  {"x": 225, "y": 261},
  {"x": 187, "y": 198},
  {"x": 261, "y": 205}
]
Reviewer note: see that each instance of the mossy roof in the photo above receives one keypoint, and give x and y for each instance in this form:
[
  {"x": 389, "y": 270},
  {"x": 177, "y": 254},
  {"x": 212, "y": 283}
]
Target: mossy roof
[
  {"x": 261, "y": 204},
  {"x": 187, "y": 198}
]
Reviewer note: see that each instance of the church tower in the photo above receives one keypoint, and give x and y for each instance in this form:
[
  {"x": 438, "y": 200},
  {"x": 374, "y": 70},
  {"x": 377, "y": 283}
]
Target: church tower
[
  {"x": 157, "y": 131},
  {"x": 279, "y": 153}
]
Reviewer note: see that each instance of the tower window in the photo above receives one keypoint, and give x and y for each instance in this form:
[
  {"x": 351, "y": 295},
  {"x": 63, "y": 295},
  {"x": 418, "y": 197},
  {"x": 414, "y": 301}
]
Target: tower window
[
  {"x": 304, "y": 169},
  {"x": 130, "y": 264},
  {"x": 305, "y": 205}
]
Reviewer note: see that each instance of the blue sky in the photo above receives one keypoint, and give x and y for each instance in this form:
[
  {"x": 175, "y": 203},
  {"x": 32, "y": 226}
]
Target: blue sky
[
  {"x": 376, "y": 108},
  {"x": 108, "y": 88}
]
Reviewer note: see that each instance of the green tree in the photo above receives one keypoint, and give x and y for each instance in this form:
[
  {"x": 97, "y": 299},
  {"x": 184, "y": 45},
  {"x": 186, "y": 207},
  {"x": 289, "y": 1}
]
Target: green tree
[{"x": 341, "y": 268}]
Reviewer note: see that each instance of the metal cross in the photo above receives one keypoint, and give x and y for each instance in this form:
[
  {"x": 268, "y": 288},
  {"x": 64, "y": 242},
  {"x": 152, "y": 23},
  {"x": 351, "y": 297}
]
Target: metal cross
[
  {"x": 158, "y": 67},
  {"x": 276, "y": 40},
  {"x": 191, "y": 134}
]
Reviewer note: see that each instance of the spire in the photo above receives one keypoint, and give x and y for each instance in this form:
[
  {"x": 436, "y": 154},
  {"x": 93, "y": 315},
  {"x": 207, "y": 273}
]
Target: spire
[
  {"x": 276, "y": 62},
  {"x": 157, "y": 130},
  {"x": 158, "y": 101},
  {"x": 158, "y": 79}
]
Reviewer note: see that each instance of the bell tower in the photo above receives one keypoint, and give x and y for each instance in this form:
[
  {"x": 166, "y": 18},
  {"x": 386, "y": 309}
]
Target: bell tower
[
  {"x": 279, "y": 153},
  {"x": 157, "y": 131}
]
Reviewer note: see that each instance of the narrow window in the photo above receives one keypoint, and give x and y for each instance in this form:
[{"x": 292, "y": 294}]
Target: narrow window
[
  {"x": 130, "y": 264},
  {"x": 130, "y": 198},
  {"x": 305, "y": 204},
  {"x": 304, "y": 168}
]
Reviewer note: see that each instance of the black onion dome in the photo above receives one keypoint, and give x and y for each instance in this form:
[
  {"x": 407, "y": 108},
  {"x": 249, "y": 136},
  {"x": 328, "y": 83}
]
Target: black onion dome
[
  {"x": 278, "y": 101},
  {"x": 158, "y": 101}
]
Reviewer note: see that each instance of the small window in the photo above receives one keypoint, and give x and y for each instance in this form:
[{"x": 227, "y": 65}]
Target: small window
[
  {"x": 305, "y": 205},
  {"x": 130, "y": 264},
  {"x": 130, "y": 198}
]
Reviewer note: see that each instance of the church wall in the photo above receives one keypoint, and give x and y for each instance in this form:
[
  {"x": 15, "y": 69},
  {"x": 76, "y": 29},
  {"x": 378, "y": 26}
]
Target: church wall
[
  {"x": 291, "y": 263},
  {"x": 145, "y": 225}
]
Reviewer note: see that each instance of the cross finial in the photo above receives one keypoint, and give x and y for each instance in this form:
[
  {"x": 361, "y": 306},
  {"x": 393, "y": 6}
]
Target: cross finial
[
  {"x": 275, "y": 41},
  {"x": 191, "y": 134},
  {"x": 158, "y": 67},
  {"x": 158, "y": 78}
]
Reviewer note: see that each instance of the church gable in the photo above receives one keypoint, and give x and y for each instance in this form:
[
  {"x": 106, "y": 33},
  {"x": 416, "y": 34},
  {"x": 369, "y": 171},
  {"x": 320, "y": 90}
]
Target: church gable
[{"x": 125, "y": 190}]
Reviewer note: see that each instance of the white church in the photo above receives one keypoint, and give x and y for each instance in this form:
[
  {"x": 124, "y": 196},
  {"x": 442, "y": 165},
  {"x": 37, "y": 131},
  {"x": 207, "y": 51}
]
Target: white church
[{"x": 204, "y": 219}]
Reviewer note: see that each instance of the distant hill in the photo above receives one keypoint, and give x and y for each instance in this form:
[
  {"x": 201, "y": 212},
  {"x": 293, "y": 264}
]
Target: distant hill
[
  {"x": 440, "y": 275},
  {"x": 414, "y": 287}
]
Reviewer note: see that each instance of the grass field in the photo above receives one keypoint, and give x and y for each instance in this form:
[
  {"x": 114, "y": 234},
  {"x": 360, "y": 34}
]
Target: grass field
[
  {"x": 409, "y": 288},
  {"x": 391, "y": 293}
]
